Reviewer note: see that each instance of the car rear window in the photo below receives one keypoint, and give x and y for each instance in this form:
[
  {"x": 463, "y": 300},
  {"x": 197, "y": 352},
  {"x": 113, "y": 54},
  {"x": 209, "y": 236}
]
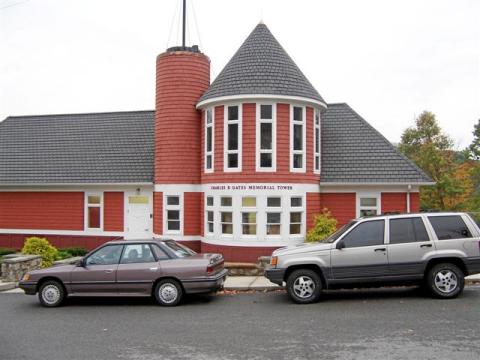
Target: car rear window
[
  {"x": 406, "y": 230},
  {"x": 366, "y": 234},
  {"x": 449, "y": 227},
  {"x": 179, "y": 249}
]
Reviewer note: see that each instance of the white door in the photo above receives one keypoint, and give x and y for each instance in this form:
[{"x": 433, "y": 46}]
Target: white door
[{"x": 139, "y": 220}]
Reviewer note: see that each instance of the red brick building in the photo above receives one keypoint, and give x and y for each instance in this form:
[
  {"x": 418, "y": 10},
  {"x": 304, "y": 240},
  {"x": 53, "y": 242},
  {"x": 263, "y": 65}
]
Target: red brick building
[{"x": 239, "y": 166}]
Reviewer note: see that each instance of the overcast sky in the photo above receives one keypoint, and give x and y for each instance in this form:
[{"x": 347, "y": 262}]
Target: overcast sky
[{"x": 389, "y": 60}]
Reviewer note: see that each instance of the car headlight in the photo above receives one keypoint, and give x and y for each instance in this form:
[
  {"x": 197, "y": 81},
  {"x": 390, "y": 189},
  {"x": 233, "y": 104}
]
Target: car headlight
[
  {"x": 26, "y": 277},
  {"x": 273, "y": 260}
]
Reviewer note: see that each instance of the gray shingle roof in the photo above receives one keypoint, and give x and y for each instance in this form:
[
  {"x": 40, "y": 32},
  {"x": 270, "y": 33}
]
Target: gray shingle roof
[
  {"x": 261, "y": 66},
  {"x": 77, "y": 148},
  {"x": 118, "y": 148},
  {"x": 354, "y": 152}
]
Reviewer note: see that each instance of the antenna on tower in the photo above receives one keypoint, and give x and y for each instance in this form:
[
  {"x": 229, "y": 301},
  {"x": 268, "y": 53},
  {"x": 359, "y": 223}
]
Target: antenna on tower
[{"x": 184, "y": 22}]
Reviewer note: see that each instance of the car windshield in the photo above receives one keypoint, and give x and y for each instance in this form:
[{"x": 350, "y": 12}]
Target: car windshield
[
  {"x": 179, "y": 249},
  {"x": 338, "y": 233}
]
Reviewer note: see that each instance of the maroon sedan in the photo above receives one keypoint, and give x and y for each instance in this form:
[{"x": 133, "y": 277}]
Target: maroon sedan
[{"x": 164, "y": 269}]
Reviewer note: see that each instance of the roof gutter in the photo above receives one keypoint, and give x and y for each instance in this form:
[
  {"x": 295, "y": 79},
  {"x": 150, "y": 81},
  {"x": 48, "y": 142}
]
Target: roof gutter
[
  {"x": 76, "y": 184},
  {"x": 420, "y": 183}
]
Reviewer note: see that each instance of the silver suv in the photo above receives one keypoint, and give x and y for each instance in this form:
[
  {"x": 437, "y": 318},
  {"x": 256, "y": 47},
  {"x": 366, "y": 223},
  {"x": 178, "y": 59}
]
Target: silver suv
[{"x": 436, "y": 250}]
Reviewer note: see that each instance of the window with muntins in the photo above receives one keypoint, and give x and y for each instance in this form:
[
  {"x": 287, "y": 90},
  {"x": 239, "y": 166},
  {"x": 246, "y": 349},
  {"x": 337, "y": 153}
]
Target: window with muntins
[
  {"x": 368, "y": 206},
  {"x": 296, "y": 212},
  {"x": 233, "y": 138},
  {"x": 226, "y": 215},
  {"x": 297, "y": 139},
  {"x": 210, "y": 215},
  {"x": 249, "y": 215},
  {"x": 173, "y": 214},
  {"x": 209, "y": 140},
  {"x": 316, "y": 141},
  {"x": 259, "y": 217},
  {"x": 266, "y": 137}
]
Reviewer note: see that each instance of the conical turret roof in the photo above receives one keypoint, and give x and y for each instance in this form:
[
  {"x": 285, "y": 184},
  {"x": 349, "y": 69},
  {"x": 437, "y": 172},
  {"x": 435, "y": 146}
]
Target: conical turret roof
[{"x": 261, "y": 66}]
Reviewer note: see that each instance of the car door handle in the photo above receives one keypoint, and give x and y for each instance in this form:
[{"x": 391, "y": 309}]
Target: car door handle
[
  {"x": 426, "y": 245},
  {"x": 381, "y": 249},
  {"x": 109, "y": 271}
]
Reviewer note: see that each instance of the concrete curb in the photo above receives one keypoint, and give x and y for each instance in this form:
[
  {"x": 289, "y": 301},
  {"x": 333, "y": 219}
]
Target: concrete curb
[
  {"x": 258, "y": 288},
  {"x": 5, "y": 286}
]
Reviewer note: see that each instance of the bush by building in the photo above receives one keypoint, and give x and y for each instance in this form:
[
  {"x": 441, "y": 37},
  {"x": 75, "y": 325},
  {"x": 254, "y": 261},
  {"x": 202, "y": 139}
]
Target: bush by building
[{"x": 325, "y": 225}]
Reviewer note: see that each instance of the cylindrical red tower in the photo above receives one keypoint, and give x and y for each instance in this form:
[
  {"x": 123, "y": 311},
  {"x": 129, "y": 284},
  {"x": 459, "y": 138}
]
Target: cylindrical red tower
[{"x": 182, "y": 76}]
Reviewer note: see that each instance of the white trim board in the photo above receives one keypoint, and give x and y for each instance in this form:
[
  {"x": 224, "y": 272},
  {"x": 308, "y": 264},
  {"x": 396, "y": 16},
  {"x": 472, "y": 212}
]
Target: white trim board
[
  {"x": 177, "y": 237},
  {"x": 256, "y": 97},
  {"x": 83, "y": 188},
  {"x": 323, "y": 183},
  {"x": 61, "y": 232},
  {"x": 229, "y": 188},
  {"x": 374, "y": 188},
  {"x": 257, "y": 244},
  {"x": 75, "y": 185}
]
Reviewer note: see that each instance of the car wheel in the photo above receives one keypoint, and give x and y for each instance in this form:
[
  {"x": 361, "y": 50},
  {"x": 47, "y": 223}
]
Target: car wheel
[
  {"x": 445, "y": 281},
  {"x": 304, "y": 286},
  {"x": 51, "y": 293},
  {"x": 168, "y": 292}
]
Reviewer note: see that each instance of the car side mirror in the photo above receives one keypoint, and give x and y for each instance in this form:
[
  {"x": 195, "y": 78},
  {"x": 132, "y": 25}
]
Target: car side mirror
[
  {"x": 81, "y": 263},
  {"x": 340, "y": 245}
]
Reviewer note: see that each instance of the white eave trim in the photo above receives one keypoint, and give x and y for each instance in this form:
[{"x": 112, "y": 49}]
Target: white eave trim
[
  {"x": 259, "y": 97},
  {"x": 376, "y": 183},
  {"x": 75, "y": 184}
]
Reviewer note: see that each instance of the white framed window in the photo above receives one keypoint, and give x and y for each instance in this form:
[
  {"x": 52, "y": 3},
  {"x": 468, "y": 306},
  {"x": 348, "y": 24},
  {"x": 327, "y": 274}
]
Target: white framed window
[
  {"x": 255, "y": 217},
  {"x": 226, "y": 215},
  {"x": 232, "y": 135},
  {"x": 266, "y": 137},
  {"x": 209, "y": 139},
  {"x": 297, "y": 138},
  {"x": 368, "y": 204},
  {"x": 316, "y": 141},
  {"x": 249, "y": 215},
  {"x": 296, "y": 215},
  {"x": 274, "y": 216},
  {"x": 173, "y": 214},
  {"x": 94, "y": 211},
  {"x": 210, "y": 215}
]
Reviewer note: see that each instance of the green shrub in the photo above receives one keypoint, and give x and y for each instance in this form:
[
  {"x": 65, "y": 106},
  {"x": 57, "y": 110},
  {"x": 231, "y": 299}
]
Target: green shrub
[
  {"x": 6, "y": 251},
  {"x": 61, "y": 254},
  {"x": 40, "y": 246},
  {"x": 75, "y": 251},
  {"x": 325, "y": 225}
]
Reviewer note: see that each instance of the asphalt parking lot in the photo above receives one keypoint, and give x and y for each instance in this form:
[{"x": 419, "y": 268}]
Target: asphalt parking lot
[{"x": 399, "y": 323}]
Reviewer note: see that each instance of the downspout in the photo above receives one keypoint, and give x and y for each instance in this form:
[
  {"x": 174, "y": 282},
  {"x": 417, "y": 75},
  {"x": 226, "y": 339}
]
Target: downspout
[{"x": 409, "y": 187}]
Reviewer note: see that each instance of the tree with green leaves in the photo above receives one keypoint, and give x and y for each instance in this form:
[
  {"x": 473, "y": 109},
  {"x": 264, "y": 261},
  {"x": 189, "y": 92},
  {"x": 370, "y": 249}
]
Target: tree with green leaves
[
  {"x": 428, "y": 147},
  {"x": 474, "y": 148}
]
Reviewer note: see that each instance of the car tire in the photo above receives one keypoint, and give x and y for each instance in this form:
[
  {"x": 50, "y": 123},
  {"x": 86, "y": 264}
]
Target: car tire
[
  {"x": 445, "y": 281},
  {"x": 304, "y": 286},
  {"x": 168, "y": 292},
  {"x": 51, "y": 293}
]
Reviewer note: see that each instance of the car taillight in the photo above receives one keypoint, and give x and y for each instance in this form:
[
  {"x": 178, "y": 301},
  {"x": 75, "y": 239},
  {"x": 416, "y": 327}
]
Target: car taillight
[{"x": 211, "y": 267}]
